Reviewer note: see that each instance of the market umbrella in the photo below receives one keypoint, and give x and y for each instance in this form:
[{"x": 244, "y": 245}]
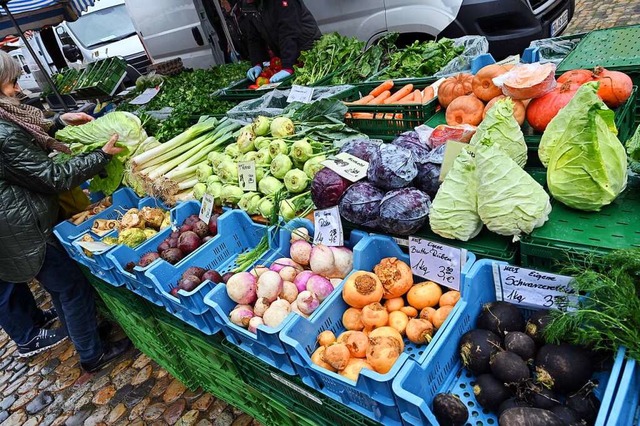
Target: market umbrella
[{"x": 23, "y": 15}]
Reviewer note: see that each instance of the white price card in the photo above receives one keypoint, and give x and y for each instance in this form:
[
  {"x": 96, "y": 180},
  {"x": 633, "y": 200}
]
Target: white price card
[
  {"x": 529, "y": 288},
  {"x": 247, "y": 175},
  {"x": 300, "y": 94},
  {"x": 437, "y": 262},
  {"x": 94, "y": 246},
  {"x": 146, "y": 96},
  {"x": 206, "y": 209},
  {"x": 328, "y": 227},
  {"x": 346, "y": 165},
  {"x": 402, "y": 242}
]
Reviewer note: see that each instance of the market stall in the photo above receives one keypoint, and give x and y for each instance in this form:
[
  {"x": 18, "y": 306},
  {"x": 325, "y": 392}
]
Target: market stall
[{"x": 398, "y": 237}]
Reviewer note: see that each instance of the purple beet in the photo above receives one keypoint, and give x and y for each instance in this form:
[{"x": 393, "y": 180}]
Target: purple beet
[
  {"x": 172, "y": 255},
  {"x": 185, "y": 228},
  {"x": 164, "y": 245},
  {"x": 189, "y": 242},
  {"x": 174, "y": 234},
  {"x": 148, "y": 258},
  {"x": 174, "y": 291},
  {"x": 212, "y": 276},
  {"x": 213, "y": 225},
  {"x": 200, "y": 228},
  {"x": 194, "y": 270},
  {"x": 191, "y": 219},
  {"x": 173, "y": 242},
  {"x": 189, "y": 283},
  {"x": 226, "y": 276}
]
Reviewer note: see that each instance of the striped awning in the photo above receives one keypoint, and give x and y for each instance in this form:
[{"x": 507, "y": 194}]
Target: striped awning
[{"x": 37, "y": 14}]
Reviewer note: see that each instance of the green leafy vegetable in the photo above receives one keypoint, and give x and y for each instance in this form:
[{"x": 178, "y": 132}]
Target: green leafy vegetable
[
  {"x": 327, "y": 55},
  {"x": 500, "y": 127},
  {"x": 369, "y": 63},
  {"x": 454, "y": 211},
  {"x": 587, "y": 166},
  {"x": 421, "y": 59}
]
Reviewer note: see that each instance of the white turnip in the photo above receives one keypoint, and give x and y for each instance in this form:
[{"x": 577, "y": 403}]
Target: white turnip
[
  {"x": 262, "y": 304},
  {"x": 288, "y": 273},
  {"x": 241, "y": 288},
  {"x": 254, "y": 323},
  {"x": 269, "y": 286},
  {"x": 301, "y": 280},
  {"x": 241, "y": 316},
  {"x": 300, "y": 252},
  {"x": 321, "y": 260},
  {"x": 289, "y": 291},
  {"x": 343, "y": 262},
  {"x": 307, "y": 302},
  {"x": 320, "y": 286}
]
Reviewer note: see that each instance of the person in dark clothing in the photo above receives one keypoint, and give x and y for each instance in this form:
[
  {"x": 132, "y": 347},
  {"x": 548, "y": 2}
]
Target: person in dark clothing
[
  {"x": 286, "y": 27},
  {"x": 30, "y": 182}
]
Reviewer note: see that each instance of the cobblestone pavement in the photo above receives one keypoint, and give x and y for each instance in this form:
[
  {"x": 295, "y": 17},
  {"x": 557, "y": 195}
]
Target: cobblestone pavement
[
  {"x": 593, "y": 15},
  {"x": 51, "y": 390}
]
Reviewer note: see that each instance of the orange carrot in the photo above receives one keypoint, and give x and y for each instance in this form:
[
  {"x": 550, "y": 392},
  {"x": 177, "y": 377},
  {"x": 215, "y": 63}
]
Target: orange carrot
[
  {"x": 380, "y": 98},
  {"x": 409, "y": 99},
  {"x": 362, "y": 115},
  {"x": 400, "y": 94},
  {"x": 427, "y": 94},
  {"x": 417, "y": 96},
  {"x": 387, "y": 85},
  {"x": 364, "y": 100}
]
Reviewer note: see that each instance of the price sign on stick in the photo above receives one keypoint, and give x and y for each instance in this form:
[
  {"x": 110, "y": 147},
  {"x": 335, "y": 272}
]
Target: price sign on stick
[
  {"x": 206, "y": 210},
  {"x": 300, "y": 94},
  {"x": 437, "y": 262},
  {"x": 529, "y": 288},
  {"x": 247, "y": 176},
  {"x": 349, "y": 167},
  {"x": 328, "y": 227}
]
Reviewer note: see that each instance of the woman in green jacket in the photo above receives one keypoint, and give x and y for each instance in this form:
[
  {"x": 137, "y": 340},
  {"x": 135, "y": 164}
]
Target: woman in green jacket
[{"x": 30, "y": 182}]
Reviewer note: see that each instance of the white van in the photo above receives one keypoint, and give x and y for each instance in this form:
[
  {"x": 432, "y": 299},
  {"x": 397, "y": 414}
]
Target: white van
[
  {"x": 105, "y": 30},
  {"x": 171, "y": 29}
]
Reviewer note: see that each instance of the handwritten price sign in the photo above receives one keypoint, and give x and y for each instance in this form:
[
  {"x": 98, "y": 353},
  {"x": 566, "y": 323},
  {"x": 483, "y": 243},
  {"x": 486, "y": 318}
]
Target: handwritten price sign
[
  {"x": 247, "y": 176},
  {"x": 437, "y": 262},
  {"x": 349, "y": 167},
  {"x": 328, "y": 227},
  {"x": 529, "y": 288}
]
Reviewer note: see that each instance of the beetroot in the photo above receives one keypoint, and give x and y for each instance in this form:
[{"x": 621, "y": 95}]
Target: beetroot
[
  {"x": 173, "y": 242},
  {"x": 148, "y": 258},
  {"x": 207, "y": 238},
  {"x": 213, "y": 225},
  {"x": 174, "y": 291},
  {"x": 189, "y": 283},
  {"x": 189, "y": 242},
  {"x": 164, "y": 245},
  {"x": 185, "y": 228},
  {"x": 174, "y": 234},
  {"x": 212, "y": 276},
  {"x": 191, "y": 219},
  {"x": 172, "y": 255},
  {"x": 194, "y": 270},
  {"x": 226, "y": 276},
  {"x": 200, "y": 228}
]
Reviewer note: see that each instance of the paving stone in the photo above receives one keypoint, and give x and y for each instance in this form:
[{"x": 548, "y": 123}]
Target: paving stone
[
  {"x": 56, "y": 405},
  {"x": 100, "y": 383},
  {"x": 31, "y": 383},
  {"x": 19, "y": 372},
  {"x": 67, "y": 379},
  {"x": 47, "y": 382},
  {"x": 17, "y": 418},
  {"x": 223, "y": 419},
  {"x": 24, "y": 400},
  {"x": 142, "y": 375},
  {"x": 174, "y": 391},
  {"x": 189, "y": 418},
  {"x": 14, "y": 385},
  {"x": 123, "y": 378},
  {"x": 50, "y": 366},
  {"x": 68, "y": 353},
  {"x": 5, "y": 363},
  {"x": 139, "y": 409},
  {"x": 204, "y": 422},
  {"x": 154, "y": 411},
  {"x": 3, "y": 415},
  {"x": 61, "y": 420},
  {"x": 80, "y": 416},
  {"x": 174, "y": 411},
  {"x": 160, "y": 373},
  {"x": 84, "y": 378},
  {"x": 121, "y": 394},
  {"x": 137, "y": 394},
  {"x": 116, "y": 413},
  {"x": 97, "y": 416},
  {"x": 32, "y": 421},
  {"x": 74, "y": 396},
  {"x": 8, "y": 402},
  {"x": 204, "y": 402},
  {"x": 136, "y": 423},
  {"x": 121, "y": 366},
  {"x": 40, "y": 402},
  {"x": 243, "y": 420},
  {"x": 33, "y": 368},
  {"x": 218, "y": 407},
  {"x": 141, "y": 361},
  {"x": 191, "y": 396},
  {"x": 85, "y": 399},
  {"x": 4, "y": 378},
  {"x": 160, "y": 386},
  {"x": 104, "y": 395}
]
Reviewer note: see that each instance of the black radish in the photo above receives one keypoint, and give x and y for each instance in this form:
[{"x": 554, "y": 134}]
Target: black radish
[
  {"x": 511, "y": 403},
  {"x": 535, "y": 326},
  {"x": 476, "y": 349},
  {"x": 541, "y": 397},
  {"x": 450, "y": 410},
  {"x": 490, "y": 392},
  {"x": 521, "y": 344},
  {"x": 525, "y": 416},
  {"x": 586, "y": 405},
  {"x": 509, "y": 368},
  {"x": 567, "y": 415},
  {"x": 500, "y": 318},
  {"x": 563, "y": 368}
]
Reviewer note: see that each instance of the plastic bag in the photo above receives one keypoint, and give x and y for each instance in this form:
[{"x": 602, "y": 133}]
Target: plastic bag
[
  {"x": 271, "y": 104},
  {"x": 553, "y": 49},
  {"x": 473, "y": 46}
]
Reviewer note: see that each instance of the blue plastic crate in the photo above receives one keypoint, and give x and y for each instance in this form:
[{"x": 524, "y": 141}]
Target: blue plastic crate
[
  {"x": 266, "y": 344},
  {"x": 625, "y": 410},
  {"x": 137, "y": 281},
  {"x": 441, "y": 370},
  {"x": 237, "y": 233},
  {"x": 67, "y": 232},
  {"x": 372, "y": 394}
]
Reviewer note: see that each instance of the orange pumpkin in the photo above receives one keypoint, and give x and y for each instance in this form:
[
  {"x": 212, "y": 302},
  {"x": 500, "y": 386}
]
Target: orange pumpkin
[
  {"x": 518, "y": 108},
  {"x": 465, "y": 109},
  {"x": 529, "y": 81},
  {"x": 452, "y": 87},
  {"x": 615, "y": 86},
  {"x": 483, "y": 86},
  {"x": 576, "y": 76}
]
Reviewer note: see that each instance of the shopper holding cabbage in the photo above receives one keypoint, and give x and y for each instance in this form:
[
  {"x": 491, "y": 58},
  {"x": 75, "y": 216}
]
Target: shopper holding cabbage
[{"x": 30, "y": 182}]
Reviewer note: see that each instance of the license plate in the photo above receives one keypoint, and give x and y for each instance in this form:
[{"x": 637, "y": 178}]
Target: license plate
[{"x": 559, "y": 23}]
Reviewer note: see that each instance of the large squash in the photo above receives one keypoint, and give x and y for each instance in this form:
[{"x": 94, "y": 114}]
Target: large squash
[
  {"x": 453, "y": 87},
  {"x": 483, "y": 86},
  {"x": 615, "y": 86},
  {"x": 542, "y": 110},
  {"x": 529, "y": 81},
  {"x": 465, "y": 109}
]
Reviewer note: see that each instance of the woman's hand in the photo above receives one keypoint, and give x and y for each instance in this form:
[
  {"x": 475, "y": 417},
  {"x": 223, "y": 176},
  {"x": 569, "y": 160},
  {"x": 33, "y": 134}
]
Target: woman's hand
[
  {"x": 76, "y": 118},
  {"x": 110, "y": 147}
]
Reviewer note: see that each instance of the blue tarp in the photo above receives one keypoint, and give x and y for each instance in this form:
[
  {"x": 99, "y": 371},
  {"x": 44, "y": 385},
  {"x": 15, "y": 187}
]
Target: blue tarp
[{"x": 36, "y": 14}]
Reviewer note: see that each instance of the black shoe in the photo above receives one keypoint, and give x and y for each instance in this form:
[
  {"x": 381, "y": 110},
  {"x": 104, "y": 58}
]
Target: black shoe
[
  {"x": 46, "y": 339},
  {"x": 48, "y": 318},
  {"x": 111, "y": 352},
  {"x": 104, "y": 330}
]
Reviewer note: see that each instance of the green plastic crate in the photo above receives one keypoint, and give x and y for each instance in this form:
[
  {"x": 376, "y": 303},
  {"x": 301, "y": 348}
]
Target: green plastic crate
[
  {"x": 394, "y": 119},
  {"x": 573, "y": 236},
  {"x": 305, "y": 402}
]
